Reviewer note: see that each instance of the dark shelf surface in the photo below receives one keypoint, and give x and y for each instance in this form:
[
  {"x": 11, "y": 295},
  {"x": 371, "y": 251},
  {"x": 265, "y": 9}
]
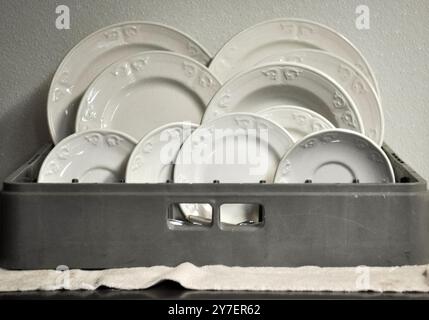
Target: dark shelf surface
[{"x": 171, "y": 291}]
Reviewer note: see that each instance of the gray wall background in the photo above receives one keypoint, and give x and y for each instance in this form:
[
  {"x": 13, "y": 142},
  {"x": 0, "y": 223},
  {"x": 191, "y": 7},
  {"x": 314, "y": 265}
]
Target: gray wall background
[{"x": 397, "y": 47}]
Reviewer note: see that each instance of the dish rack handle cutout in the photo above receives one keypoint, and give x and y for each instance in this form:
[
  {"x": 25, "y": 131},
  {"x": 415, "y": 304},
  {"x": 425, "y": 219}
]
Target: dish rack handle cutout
[{"x": 225, "y": 216}]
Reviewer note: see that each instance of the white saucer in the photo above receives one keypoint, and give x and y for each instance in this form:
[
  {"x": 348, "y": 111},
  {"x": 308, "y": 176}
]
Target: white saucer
[
  {"x": 96, "y": 52},
  {"x": 299, "y": 122},
  {"x": 350, "y": 78},
  {"x": 335, "y": 156},
  {"x": 140, "y": 93},
  {"x": 153, "y": 158},
  {"x": 281, "y": 84},
  {"x": 268, "y": 38},
  {"x": 234, "y": 148},
  {"x": 94, "y": 156}
]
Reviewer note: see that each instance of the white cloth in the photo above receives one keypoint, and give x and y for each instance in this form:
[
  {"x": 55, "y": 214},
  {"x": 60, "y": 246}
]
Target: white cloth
[{"x": 217, "y": 277}]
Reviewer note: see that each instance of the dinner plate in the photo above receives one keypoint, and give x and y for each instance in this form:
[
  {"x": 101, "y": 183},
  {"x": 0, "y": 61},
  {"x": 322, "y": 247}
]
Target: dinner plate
[
  {"x": 142, "y": 92},
  {"x": 299, "y": 122},
  {"x": 335, "y": 156},
  {"x": 96, "y": 52},
  {"x": 153, "y": 158},
  {"x": 267, "y": 38},
  {"x": 234, "y": 148},
  {"x": 93, "y": 156},
  {"x": 286, "y": 84},
  {"x": 350, "y": 78}
]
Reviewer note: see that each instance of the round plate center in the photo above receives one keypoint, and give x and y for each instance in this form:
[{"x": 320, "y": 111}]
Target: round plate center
[
  {"x": 99, "y": 175},
  {"x": 333, "y": 172},
  {"x": 146, "y": 105}
]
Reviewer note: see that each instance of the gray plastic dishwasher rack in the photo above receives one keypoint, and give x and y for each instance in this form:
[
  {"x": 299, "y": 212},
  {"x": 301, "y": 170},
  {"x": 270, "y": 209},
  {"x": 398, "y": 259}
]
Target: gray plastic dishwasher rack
[{"x": 94, "y": 226}]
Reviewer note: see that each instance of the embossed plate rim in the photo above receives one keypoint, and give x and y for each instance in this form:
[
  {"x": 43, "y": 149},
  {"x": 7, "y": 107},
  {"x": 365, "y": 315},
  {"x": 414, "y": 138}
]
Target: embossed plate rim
[
  {"x": 75, "y": 136},
  {"x": 105, "y": 78},
  {"x": 320, "y": 74},
  {"x": 373, "y": 94},
  {"x": 357, "y": 135},
  {"x": 299, "y": 109},
  {"x": 72, "y": 51},
  {"x": 373, "y": 79}
]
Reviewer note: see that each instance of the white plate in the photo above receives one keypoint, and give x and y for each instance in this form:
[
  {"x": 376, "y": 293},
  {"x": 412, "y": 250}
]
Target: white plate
[
  {"x": 271, "y": 37},
  {"x": 96, "y": 52},
  {"x": 286, "y": 84},
  {"x": 335, "y": 156},
  {"x": 350, "y": 78},
  {"x": 299, "y": 122},
  {"x": 92, "y": 156},
  {"x": 140, "y": 93},
  {"x": 153, "y": 158},
  {"x": 234, "y": 148}
]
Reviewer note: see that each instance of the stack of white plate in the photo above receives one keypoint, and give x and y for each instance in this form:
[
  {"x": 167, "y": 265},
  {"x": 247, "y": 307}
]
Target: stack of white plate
[{"x": 285, "y": 101}]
